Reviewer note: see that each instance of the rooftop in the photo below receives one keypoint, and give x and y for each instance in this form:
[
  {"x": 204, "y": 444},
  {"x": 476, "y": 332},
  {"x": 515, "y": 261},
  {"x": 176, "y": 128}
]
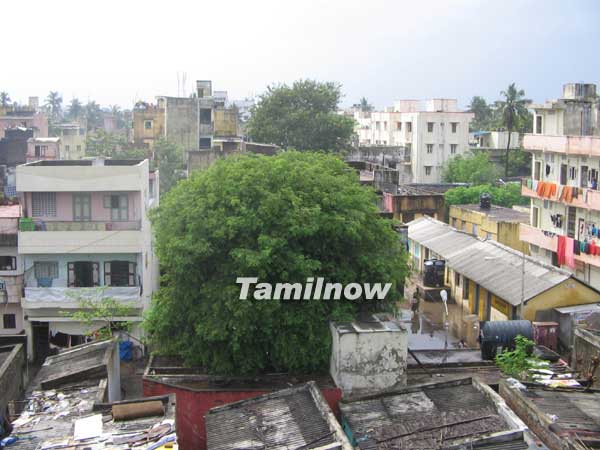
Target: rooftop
[
  {"x": 499, "y": 213},
  {"x": 488, "y": 263},
  {"x": 289, "y": 419},
  {"x": 42, "y": 140},
  {"x": 84, "y": 162},
  {"x": 440, "y": 415}
]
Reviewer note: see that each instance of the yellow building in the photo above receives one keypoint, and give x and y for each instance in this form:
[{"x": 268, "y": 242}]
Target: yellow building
[
  {"x": 496, "y": 223},
  {"x": 487, "y": 280},
  {"x": 148, "y": 124},
  {"x": 226, "y": 122}
]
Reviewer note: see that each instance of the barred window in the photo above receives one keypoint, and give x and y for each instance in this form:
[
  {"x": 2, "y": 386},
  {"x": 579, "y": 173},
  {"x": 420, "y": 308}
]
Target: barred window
[
  {"x": 45, "y": 269},
  {"x": 43, "y": 204}
]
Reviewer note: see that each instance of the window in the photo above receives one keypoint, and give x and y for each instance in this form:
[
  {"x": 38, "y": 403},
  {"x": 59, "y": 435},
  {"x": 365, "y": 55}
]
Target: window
[
  {"x": 572, "y": 173},
  {"x": 453, "y": 148},
  {"x": 429, "y": 148},
  {"x": 205, "y": 116},
  {"x": 538, "y": 124},
  {"x": 384, "y": 126},
  {"x": 9, "y": 321},
  {"x": 82, "y": 206},
  {"x": 119, "y": 273},
  {"x": 454, "y": 126},
  {"x": 8, "y": 262},
  {"x": 427, "y": 170},
  {"x": 204, "y": 142},
  {"x": 43, "y": 204},
  {"x": 399, "y": 126},
  {"x": 40, "y": 150},
  {"x": 83, "y": 274},
  {"x": 45, "y": 269},
  {"x": 67, "y": 148},
  {"x": 546, "y": 204},
  {"x": 430, "y": 127},
  {"x": 119, "y": 206},
  {"x": 409, "y": 127},
  {"x": 148, "y": 124}
]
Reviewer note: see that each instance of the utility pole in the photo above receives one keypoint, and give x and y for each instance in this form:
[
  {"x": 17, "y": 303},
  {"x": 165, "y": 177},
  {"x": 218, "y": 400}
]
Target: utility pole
[{"x": 522, "y": 307}]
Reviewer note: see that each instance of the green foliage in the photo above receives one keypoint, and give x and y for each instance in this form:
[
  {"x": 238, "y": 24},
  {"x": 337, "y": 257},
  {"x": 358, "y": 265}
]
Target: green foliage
[
  {"x": 505, "y": 195},
  {"x": 519, "y": 163},
  {"x": 169, "y": 158},
  {"x": 484, "y": 114},
  {"x": 515, "y": 363},
  {"x": 474, "y": 168},
  {"x": 282, "y": 219},
  {"x": 101, "y": 309},
  {"x": 4, "y": 99},
  {"x": 512, "y": 110},
  {"x": 93, "y": 115},
  {"x": 54, "y": 104},
  {"x": 76, "y": 109},
  {"x": 101, "y": 143},
  {"x": 302, "y": 116}
]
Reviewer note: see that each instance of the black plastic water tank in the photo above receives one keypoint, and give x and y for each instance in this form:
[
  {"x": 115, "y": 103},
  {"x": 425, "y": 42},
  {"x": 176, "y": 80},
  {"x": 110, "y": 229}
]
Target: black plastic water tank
[
  {"x": 485, "y": 201},
  {"x": 440, "y": 272},
  {"x": 501, "y": 334},
  {"x": 429, "y": 273}
]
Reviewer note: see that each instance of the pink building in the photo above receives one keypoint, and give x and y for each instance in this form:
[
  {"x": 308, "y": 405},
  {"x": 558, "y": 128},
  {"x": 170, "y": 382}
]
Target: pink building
[
  {"x": 27, "y": 119},
  {"x": 43, "y": 148}
]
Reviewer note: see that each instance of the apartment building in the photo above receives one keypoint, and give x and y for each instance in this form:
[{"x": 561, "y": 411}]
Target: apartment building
[
  {"x": 563, "y": 188},
  {"x": 73, "y": 139},
  {"x": 43, "y": 148},
  {"x": 11, "y": 271},
  {"x": 433, "y": 131},
  {"x": 84, "y": 235}
]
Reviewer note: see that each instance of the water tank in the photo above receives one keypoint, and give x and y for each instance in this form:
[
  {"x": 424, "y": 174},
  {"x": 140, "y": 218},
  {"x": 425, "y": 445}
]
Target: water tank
[
  {"x": 500, "y": 335},
  {"x": 485, "y": 201}
]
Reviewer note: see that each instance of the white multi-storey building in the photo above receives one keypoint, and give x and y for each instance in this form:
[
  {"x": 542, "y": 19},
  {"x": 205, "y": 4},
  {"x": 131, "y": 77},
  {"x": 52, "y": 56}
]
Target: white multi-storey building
[
  {"x": 433, "y": 131},
  {"x": 565, "y": 201},
  {"x": 84, "y": 235}
]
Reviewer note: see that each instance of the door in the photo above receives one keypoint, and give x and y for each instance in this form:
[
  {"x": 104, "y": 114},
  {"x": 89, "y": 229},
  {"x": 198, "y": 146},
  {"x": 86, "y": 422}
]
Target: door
[
  {"x": 537, "y": 170},
  {"x": 563, "y": 174},
  {"x": 476, "y": 301},
  {"x": 41, "y": 340},
  {"x": 584, "y": 176},
  {"x": 571, "y": 218}
]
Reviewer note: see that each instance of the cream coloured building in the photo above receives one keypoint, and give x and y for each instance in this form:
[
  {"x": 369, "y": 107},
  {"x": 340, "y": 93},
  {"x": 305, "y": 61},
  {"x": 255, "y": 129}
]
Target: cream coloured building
[{"x": 434, "y": 131}]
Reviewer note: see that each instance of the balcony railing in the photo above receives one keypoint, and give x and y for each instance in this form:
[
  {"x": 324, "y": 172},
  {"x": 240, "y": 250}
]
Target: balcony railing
[
  {"x": 549, "y": 241},
  {"x": 587, "y": 198},
  {"x": 28, "y": 224},
  {"x": 574, "y": 145},
  {"x": 71, "y": 297}
]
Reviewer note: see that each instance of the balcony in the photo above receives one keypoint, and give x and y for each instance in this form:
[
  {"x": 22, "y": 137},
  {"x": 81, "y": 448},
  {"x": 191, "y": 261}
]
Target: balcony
[
  {"x": 590, "y": 199},
  {"x": 536, "y": 236},
  {"x": 570, "y": 145},
  {"x": 27, "y": 224},
  {"x": 70, "y": 297}
]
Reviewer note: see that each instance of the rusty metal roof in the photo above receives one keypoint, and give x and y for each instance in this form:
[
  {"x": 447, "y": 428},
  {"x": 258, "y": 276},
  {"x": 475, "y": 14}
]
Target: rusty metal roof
[{"x": 290, "y": 419}]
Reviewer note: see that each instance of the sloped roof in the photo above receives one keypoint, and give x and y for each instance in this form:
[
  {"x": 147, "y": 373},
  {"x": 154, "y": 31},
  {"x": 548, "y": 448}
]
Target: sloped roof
[{"x": 496, "y": 267}]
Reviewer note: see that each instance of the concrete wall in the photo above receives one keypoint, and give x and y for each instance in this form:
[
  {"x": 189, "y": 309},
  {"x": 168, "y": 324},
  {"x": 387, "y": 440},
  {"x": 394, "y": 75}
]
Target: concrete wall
[
  {"x": 182, "y": 122},
  {"x": 368, "y": 361},
  {"x": 13, "y": 375},
  {"x": 38, "y": 121},
  {"x": 568, "y": 293},
  {"x": 143, "y": 136}
]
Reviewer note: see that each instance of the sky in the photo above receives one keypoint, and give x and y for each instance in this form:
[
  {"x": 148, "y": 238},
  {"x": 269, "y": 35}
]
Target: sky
[{"x": 118, "y": 52}]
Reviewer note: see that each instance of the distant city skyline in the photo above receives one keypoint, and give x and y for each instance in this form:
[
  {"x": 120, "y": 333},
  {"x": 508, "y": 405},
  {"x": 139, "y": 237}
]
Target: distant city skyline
[{"x": 121, "y": 52}]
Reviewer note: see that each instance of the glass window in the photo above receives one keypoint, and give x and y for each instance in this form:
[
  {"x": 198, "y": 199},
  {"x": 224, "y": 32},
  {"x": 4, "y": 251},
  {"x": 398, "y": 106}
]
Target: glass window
[
  {"x": 429, "y": 148},
  {"x": 148, "y": 124},
  {"x": 43, "y": 204},
  {"x": 82, "y": 206},
  {"x": 454, "y": 126},
  {"x": 430, "y": 127},
  {"x": 8, "y": 262},
  {"x": 409, "y": 127},
  {"x": 453, "y": 148},
  {"x": 119, "y": 273},
  {"x": 427, "y": 170}
]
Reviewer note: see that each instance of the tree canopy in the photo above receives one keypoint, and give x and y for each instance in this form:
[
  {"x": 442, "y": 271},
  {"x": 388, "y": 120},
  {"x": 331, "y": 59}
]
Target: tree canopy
[
  {"x": 512, "y": 110},
  {"x": 505, "y": 195},
  {"x": 474, "y": 168},
  {"x": 282, "y": 219},
  {"x": 302, "y": 116},
  {"x": 484, "y": 114}
]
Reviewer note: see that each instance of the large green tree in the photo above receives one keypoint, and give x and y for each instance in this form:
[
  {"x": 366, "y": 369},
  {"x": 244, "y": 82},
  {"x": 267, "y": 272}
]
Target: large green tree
[
  {"x": 169, "y": 159},
  {"x": 484, "y": 114},
  {"x": 4, "y": 99},
  {"x": 505, "y": 195},
  {"x": 474, "y": 168},
  {"x": 302, "y": 116},
  {"x": 513, "y": 111},
  {"x": 54, "y": 104},
  {"x": 283, "y": 218},
  {"x": 76, "y": 109}
]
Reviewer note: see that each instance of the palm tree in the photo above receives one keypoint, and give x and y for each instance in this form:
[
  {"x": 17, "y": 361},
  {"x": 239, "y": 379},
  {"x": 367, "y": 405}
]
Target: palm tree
[
  {"x": 54, "y": 103},
  {"x": 75, "y": 109},
  {"x": 365, "y": 106},
  {"x": 512, "y": 109},
  {"x": 4, "y": 99}
]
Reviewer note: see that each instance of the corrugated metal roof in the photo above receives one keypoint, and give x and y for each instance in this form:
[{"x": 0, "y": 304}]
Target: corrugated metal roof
[
  {"x": 495, "y": 267},
  {"x": 291, "y": 419}
]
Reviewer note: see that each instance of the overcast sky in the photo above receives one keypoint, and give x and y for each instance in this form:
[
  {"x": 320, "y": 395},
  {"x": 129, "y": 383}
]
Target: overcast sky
[{"x": 116, "y": 52}]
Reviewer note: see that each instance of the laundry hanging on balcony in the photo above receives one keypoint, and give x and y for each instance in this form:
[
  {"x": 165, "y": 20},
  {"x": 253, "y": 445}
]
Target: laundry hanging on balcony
[
  {"x": 569, "y": 193},
  {"x": 546, "y": 189}
]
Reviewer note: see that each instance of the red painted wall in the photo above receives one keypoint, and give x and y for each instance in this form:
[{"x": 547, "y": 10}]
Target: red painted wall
[{"x": 193, "y": 405}]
